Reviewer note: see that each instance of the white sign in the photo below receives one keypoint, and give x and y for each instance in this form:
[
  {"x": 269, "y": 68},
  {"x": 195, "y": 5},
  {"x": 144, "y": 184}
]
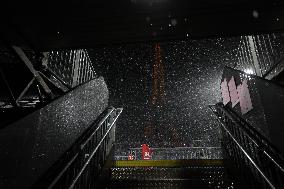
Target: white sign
[{"x": 239, "y": 94}]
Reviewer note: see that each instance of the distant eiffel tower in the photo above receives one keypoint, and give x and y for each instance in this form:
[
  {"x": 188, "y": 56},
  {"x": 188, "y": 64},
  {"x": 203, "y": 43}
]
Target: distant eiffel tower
[{"x": 158, "y": 85}]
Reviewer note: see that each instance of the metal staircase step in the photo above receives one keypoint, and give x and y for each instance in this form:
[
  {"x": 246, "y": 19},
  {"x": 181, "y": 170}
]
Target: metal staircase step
[
  {"x": 156, "y": 173},
  {"x": 169, "y": 174},
  {"x": 169, "y": 184}
]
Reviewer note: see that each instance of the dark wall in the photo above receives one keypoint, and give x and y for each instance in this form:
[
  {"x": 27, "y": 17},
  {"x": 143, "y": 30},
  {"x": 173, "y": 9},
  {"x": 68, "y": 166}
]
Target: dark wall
[
  {"x": 272, "y": 97},
  {"x": 31, "y": 145}
]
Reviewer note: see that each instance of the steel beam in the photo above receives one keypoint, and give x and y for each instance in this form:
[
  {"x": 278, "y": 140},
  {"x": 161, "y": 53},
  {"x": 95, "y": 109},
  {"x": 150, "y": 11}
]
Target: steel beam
[{"x": 30, "y": 66}]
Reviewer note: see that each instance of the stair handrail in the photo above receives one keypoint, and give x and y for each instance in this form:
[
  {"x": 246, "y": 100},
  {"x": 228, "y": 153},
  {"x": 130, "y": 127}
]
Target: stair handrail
[
  {"x": 107, "y": 119},
  {"x": 258, "y": 138},
  {"x": 97, "y": 147},
  {"x": 263, "y": 145}
]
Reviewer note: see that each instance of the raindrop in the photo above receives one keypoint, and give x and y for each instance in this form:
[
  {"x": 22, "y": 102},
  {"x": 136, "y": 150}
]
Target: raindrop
[
  {"x": 148, "y": 18},
  {"x": 173, "y": 22},
  {"x": 255, "y": 13}
]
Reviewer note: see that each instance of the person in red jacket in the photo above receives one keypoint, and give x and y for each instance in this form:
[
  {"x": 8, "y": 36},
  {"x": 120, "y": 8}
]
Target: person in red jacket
[{"x": 146, "y": 152}]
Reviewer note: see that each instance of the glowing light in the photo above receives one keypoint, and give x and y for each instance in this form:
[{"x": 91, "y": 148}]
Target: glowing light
[{"x": 248, "y": 71}]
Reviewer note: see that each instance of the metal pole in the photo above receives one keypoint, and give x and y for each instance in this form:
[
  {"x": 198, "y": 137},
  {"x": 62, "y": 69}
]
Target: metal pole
[
  {"x": 14, "y": 101},
  {"x": 25, "y": 90},
  {"x": 35, "y": 73},
  {"x": 254, "y": 57}
]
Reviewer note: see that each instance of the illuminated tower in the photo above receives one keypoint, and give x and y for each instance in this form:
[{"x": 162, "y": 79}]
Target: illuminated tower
[{"x": 158, "y": 85}]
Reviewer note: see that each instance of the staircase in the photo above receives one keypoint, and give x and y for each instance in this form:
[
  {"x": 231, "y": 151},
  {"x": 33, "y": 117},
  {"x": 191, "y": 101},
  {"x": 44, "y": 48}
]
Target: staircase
[{"x": 169, "y": 174}]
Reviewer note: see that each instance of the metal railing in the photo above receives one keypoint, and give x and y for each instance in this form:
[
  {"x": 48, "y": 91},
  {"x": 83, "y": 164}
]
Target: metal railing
[
  {"x": 261, "y": 54},
  {"x": 81, "y": 165},
  {"x": 256, "y": 159},
  {"x": 176, "y": 153}
]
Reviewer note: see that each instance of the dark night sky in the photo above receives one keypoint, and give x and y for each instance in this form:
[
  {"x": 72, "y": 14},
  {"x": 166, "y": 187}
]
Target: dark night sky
[{"x": 192, "y": 73}]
